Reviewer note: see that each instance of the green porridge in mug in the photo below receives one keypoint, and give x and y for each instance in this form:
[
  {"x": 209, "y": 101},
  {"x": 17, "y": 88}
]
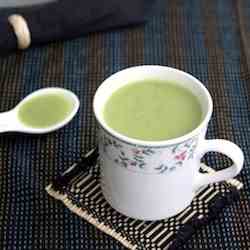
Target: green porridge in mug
[{"x": 152, "y": 110}]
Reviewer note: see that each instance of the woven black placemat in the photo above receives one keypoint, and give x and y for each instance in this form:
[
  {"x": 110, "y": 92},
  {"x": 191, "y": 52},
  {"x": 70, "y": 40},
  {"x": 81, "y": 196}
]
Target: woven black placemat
[{"x": 79, "y": 189}]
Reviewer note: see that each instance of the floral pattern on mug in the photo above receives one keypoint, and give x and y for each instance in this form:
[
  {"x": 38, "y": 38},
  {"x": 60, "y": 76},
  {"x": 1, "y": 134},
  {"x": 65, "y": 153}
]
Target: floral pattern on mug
[{"x": 159, "y": 160}]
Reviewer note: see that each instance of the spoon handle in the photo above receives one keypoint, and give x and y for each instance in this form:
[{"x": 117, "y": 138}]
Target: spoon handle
[{"x": 7, "y": 121}]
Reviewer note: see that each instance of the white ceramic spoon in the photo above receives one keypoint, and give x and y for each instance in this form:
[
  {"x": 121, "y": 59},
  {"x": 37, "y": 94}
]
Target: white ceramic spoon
[{"x": 9, "y": 121}]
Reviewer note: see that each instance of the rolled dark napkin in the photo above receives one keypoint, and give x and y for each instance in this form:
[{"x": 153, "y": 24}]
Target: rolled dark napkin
[{"x": 66, "y": 19}]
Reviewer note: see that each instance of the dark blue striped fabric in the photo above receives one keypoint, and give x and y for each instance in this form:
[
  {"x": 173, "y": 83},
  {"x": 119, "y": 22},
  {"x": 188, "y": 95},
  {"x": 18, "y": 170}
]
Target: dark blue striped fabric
[{"x": 209, "y": 39}]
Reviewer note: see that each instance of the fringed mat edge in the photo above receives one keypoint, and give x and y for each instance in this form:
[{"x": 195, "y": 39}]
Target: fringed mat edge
[
  {"x": 88, "y": 217},
  {"x": 106, "y": 229}
]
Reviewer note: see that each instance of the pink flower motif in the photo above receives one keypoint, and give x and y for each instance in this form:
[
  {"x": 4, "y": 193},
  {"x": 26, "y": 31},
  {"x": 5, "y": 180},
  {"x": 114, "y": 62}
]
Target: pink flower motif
[
  {"x": 133, "y": 163},
  {"x": 181, "y": 156},
  {"x": 136, "y": 151}
]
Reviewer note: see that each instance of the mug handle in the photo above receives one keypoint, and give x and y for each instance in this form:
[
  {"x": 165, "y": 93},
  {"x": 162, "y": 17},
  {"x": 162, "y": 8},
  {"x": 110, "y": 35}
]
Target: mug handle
[{"x": 225, "y": 147}]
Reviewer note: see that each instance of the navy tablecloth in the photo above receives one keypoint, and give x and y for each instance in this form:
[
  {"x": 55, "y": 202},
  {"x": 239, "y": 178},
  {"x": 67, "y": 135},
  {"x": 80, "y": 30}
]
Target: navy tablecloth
[{"x": 209, "y": 39}]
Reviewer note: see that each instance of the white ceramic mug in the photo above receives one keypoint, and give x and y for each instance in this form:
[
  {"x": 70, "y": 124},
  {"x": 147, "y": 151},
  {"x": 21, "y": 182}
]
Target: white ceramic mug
[{"x": 155, "y": 180}]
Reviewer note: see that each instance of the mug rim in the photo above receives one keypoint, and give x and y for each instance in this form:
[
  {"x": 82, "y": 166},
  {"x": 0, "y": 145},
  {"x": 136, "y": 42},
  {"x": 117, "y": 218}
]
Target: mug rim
[{"x": 172, "y": 141}]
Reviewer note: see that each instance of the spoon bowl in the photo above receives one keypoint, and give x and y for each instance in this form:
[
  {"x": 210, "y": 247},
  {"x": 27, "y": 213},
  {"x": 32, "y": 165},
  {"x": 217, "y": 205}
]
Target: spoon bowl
[{"x": 10, "y": 122}]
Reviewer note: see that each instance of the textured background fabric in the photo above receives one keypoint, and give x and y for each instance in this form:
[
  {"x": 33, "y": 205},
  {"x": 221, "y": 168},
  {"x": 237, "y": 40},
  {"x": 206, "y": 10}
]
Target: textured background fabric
[
  {"x": 8, "y": 3},
  {"x": 209, "y": 39}
]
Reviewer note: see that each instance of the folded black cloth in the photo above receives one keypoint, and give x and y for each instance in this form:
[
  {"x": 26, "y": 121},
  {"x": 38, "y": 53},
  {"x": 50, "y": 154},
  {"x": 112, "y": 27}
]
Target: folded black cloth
[{"x": 66, "y": 19}]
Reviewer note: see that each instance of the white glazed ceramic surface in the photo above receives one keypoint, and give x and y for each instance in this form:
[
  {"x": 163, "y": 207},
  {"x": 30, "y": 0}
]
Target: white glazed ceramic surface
[
  {"x": 155, "y": 180},
  {"x": 9, "y": 121}
]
